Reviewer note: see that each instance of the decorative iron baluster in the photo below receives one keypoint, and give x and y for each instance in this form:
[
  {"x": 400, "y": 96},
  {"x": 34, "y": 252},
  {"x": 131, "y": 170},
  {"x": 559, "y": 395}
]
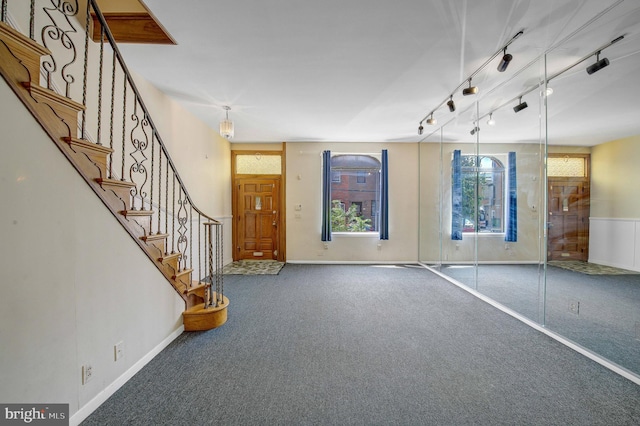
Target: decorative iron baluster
[
  {"x": 166, "y": 207},
  {"x": 124, "y": 125},
  {"x": 99, "y": 135},
  {"x": 199, "y": 248},
  {"x": 173, "y": 215},
  {"x": 210, "y": 250},
  {"x": 85, "y": 74},
  {"x": 32, "y": 19},
  {"x": 153, "y": 151},
  {"x": 3, "y": 13},
  {"x": 182, "y": 230},
  {"x": 54, "y": 32},
  {"x": 219, "y": 276},
  {"x": 112, "y": 113},
  {"x": 191, "y": 236},
  {"x": 159, "y": 191},
  {"x": 138, "y": 156}
]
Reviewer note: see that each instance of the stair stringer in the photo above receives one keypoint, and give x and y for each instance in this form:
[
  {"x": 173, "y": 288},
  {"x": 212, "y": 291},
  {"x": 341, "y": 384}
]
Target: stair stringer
[{"x": 55, "y": 114}]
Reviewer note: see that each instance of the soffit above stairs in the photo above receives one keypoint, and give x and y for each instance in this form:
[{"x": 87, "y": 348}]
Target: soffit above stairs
[{"x": 131, "y": 21}]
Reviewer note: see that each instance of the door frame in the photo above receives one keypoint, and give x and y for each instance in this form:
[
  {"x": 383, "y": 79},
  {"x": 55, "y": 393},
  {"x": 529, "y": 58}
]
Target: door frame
[
  {"x": 236, "y": 178},
  {"x": 586, "y": 180}
]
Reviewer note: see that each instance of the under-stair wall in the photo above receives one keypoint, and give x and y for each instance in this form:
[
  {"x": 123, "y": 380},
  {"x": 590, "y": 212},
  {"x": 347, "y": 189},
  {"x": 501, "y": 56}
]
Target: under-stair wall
[{"x": 74, "y": 285}]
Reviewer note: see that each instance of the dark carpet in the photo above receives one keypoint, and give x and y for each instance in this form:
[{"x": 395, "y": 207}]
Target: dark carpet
[
  {"x": 606, "y": 318},
  {"x": 366, "y": 345}
]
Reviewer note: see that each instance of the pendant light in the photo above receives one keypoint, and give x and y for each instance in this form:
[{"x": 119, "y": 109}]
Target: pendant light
[{"x": 226, "y": 125}]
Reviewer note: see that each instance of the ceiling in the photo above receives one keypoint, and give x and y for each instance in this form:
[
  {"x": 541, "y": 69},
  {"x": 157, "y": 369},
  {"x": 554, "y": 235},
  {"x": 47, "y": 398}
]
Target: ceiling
[{"x": 371, "y": 70}]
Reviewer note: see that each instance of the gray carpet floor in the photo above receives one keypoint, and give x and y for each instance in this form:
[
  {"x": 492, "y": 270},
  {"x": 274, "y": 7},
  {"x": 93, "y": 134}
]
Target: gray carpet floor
[
  {"x": 366, "y": 345},
  {"x": 607, "y": 318}
]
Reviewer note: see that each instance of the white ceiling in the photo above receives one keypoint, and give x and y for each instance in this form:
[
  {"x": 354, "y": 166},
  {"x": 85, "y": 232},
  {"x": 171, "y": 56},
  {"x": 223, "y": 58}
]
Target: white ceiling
[{"x": 371, "y": 70}]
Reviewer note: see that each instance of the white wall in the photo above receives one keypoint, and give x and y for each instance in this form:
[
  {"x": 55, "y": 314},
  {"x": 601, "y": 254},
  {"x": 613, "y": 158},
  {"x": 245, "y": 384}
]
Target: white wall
[{"x": 304, "y": 186}]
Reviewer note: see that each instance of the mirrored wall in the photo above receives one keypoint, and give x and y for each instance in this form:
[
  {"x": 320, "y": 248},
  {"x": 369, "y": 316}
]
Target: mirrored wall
[{"x": 529, "y": 194}]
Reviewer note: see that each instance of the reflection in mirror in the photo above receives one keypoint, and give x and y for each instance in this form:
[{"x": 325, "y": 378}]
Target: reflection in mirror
[{"x": 561, "y": 249}]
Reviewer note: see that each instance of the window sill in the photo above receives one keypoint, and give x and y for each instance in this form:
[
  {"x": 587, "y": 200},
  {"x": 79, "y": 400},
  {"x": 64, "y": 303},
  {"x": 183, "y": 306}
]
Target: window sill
[{"x": 356, "y": 234}]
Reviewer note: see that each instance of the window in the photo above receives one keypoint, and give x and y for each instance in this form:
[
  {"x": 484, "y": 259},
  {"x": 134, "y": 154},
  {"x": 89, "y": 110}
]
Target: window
[
  {"x": 357, "y": 187},
  {"x": 483, "y": 194}
]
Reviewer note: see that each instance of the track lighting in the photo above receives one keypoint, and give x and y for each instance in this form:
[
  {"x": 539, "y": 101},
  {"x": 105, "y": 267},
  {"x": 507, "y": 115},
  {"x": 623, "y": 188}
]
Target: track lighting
[
  {"x": 520, "y": 106},
  {"x": 451, "y": 105},
  {"x": 431, "y": 121},
  {"x": 470, "y": 90},
  {"x": 504, "y": 63},
  {"x": 491, "y": 121},
  {"x": 600, "y": 63},
  {"x": 475, "y": 130},
  {"x": 420, "y": 129}
]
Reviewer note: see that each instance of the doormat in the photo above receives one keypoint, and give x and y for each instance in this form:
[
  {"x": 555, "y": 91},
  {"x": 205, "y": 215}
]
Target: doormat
[
  {"x": 590, "y": 268},
  {"x": 253, "y": 267}
]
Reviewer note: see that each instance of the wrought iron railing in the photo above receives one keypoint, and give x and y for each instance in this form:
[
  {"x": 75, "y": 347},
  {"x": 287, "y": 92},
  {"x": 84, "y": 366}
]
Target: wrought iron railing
[{"x": 115, "y": 116}]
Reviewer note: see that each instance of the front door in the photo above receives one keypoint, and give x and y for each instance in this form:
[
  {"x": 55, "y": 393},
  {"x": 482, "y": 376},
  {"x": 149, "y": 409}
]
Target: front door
[
  {"x": 257, "y": 219},
  {"x": 568, "y": 237}
]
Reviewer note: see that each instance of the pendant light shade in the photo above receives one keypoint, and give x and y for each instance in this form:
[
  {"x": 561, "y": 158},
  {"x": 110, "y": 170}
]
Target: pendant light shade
[{"x": 226, "y": 125}]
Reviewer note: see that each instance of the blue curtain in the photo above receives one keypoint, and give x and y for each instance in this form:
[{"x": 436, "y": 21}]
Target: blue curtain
[
  {"x": 384, "y": 196},
  {"x": 456, "y": 196},
  {"x": 512, "y": 191},
  {"x": 326, "y": 196}
]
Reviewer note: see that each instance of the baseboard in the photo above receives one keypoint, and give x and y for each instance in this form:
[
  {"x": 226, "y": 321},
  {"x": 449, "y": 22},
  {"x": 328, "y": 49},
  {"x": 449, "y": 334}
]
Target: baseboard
[
  {"x": 614, "y": 265},
  {"x": 573, "y": 345},
  {"x": 99, "y": 399},
  {"x": 354, "y": 262},
  {"x": 481, "y": 262}
]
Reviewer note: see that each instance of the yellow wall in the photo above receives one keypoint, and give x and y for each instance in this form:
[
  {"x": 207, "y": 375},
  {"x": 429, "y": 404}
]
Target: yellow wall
[{"x": 615, "y": 173}]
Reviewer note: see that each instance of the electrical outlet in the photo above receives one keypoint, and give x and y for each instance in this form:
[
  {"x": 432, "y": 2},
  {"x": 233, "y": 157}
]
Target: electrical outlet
[
  {"x": 574, "y": 307},
  {"x": 87, "y": 373},
  {"x": 118, "y": 351}
]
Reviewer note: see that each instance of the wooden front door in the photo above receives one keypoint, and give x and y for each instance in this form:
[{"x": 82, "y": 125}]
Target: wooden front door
[
  {"x": 568, "y": 237},
  {"x": 257, "y": 218}
]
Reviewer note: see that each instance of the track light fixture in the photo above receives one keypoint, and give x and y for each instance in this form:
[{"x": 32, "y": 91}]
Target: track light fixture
[
  {"x": 521, "y": 105},
  {"x": 451, "y": 104},
  {"x": 491, "y": 121},
  {"x": 470, "y": 90},
  {"x": 474, "y": 130},
  {"x": 431, "y": 121},
  {"x": 600, "y": 63},
  {"x": 504, "y": 63},
  {"x": 420, "y": 128}
]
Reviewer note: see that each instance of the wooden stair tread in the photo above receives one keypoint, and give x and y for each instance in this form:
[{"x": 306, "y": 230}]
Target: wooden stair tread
[
  {"x": 169, "y": 257},
  {"x": 154, "y": 237},
  {"x": 195, "y": 287},
  {"x": 199, "y": 309},
  {"x": 182, "y": 273},
  {"x": 42, "y": 94},
  {"x": 8, "y": 33},
  {"x": 115, "y": 183},
  {"x": 88, "y": 146},
  {"x": 127, "y": 213},
  {"x": 199, "y": 318}
]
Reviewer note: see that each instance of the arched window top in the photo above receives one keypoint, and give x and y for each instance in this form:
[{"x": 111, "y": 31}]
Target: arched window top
[
  {"x": 355, "y": 162},
  {"x": 484, "y": 162}
]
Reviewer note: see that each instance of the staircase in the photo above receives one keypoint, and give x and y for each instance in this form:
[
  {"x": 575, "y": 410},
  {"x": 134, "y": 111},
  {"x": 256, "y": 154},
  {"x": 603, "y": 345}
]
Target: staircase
[{"x": 153, "y": 204}]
